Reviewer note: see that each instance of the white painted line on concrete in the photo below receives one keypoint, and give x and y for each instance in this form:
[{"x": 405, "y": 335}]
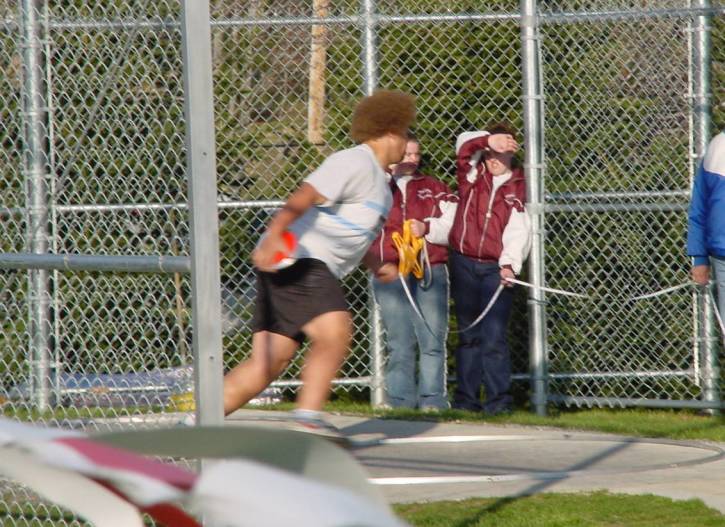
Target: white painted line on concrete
[
  {"x": 438, "y": 480},
  {"x": 454, "y": 439}
]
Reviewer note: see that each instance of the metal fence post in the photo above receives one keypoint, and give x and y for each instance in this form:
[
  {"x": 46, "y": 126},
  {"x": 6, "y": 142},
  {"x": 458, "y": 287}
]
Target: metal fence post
[
  {"x": 35, "y": 147},
  {"x": 370, "y": 81},
  {"x": 533, "y": 142},
  {"x": 701, "y": 65},
  {"x": 204, "y": 221},
  {"x": 701, "y": 130},
  {"x": 710, "y": 346},
  {"x": 369, "y": 47},
  {"x": 377, "y": 373}
]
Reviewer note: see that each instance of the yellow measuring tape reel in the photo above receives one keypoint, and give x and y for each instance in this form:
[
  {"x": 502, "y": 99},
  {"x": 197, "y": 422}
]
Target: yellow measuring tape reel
[{"x": 409, "y": 248}]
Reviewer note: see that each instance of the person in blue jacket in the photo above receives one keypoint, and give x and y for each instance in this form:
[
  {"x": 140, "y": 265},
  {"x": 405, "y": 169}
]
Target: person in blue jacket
[{"x": 706, "y": 226}]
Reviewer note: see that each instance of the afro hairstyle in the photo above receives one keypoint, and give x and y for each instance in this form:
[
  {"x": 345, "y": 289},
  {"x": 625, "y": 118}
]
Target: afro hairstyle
[{"x": 380, "y": 113}]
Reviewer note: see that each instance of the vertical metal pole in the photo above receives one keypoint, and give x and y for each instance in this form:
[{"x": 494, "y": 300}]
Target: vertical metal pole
[
  {"x": 710, "y": 346},
  {"x": 58, "y": 358},
  {"x": 533, "y": 141},
  {"x": 369, "y": 47},
  {"x": 179, "y": 301},
  {"x": 35, "y": 150},
  {"x": 204, "y": 221},
  {"x": 701, "y": 63},
  {"x": 370, "y": 82},
  {"x": 692, "y": 160},
  {"x": 377, "y": 374},
  {"x": 701, "y": 129}
]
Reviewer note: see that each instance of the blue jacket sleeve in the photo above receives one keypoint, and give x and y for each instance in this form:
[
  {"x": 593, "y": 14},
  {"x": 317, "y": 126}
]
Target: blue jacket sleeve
[{"x": 697, "y": 219}]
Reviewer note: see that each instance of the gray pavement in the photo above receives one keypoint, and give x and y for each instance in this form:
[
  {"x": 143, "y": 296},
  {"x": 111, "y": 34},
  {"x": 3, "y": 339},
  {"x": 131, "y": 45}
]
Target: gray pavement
[{"x": 428, "y": 461}]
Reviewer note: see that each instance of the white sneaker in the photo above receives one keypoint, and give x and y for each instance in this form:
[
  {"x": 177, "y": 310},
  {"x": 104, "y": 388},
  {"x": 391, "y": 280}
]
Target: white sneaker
[{"x": 186, "y": 421}]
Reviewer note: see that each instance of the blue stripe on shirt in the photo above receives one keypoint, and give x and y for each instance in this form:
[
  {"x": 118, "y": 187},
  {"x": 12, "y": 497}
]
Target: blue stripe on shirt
[
  {"x": 377, "y": 207},
  {"x": 347, "y": 223}
]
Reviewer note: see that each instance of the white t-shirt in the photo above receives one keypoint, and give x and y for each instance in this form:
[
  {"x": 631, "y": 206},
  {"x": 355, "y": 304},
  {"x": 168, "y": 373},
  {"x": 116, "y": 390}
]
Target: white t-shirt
[{"x": 339, "y": 231}]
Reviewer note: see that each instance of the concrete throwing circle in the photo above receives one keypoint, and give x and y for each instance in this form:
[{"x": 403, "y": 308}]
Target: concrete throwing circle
[{"x": 430, "y": 460}]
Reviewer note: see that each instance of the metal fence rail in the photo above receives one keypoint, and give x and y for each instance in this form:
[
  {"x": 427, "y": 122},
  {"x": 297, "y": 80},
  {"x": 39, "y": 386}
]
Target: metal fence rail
[{"x": 109, "y": 149}]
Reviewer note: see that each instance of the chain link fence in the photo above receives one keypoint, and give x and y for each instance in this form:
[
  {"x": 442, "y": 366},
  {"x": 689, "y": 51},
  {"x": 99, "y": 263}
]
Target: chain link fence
[
  {"x": 94, "y": 163},
  {"x": 621, "y": 142}
]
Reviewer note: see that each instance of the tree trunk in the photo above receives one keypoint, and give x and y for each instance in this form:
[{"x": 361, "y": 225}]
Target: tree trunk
[{"x": 318, "y": 59}]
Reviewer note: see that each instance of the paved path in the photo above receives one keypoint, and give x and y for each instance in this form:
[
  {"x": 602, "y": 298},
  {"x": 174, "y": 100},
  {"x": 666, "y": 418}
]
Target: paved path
[{"x": 427, "y": 461}]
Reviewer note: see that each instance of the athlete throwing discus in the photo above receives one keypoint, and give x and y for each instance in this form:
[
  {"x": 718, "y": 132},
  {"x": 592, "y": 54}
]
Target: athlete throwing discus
[{"x": 334, "y": 216}]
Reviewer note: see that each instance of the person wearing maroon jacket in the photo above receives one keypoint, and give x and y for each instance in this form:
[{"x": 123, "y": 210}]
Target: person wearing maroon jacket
[
  {"x": 431, "y": 206},
  {"x": 489, "y": 241}
]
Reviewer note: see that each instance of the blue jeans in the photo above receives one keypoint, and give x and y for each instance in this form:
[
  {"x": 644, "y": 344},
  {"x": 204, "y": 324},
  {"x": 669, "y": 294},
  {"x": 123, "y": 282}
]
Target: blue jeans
[
  {"x": 718, "y": 267},
  {"x": 483, "y": 352},
  {"x": 406, "y": 332}
]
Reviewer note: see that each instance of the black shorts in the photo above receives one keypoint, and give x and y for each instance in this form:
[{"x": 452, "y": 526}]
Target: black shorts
[{"x": 290, "y": 298}]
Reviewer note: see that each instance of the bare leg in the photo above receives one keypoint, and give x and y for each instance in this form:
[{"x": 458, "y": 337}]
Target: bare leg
[
  {"x": 271, "y": 353},
  {"x": 330, "y": 335}
]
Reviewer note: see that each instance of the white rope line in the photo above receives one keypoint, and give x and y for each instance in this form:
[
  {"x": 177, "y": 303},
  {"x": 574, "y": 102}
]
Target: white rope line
[
  {"x": 426, "y": 283},
  {"x": 417, "y": 311},
  {"x": 564, "y": 292},
  {"x": 660, "y": 293},
  {"x": 484, "y": 312},
  {"x": 598, "y": 297},
  {"x": 413, "y": 303},
  {"x": 547, "y": 289}
]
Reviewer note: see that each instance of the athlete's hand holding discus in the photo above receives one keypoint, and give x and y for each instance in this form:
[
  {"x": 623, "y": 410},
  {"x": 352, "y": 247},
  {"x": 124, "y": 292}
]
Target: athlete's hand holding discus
[
  {"x": 274, "y": 252},
  {"x": 266, "y": 256}
]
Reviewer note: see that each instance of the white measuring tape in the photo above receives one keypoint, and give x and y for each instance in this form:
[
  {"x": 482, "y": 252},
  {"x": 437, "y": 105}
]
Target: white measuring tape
[
  {"x": 546, "y": 289},
  {"x": 580, "y": 295},
  {"x": 480, "y": 317},
  {"x": 661, "y": 292}
]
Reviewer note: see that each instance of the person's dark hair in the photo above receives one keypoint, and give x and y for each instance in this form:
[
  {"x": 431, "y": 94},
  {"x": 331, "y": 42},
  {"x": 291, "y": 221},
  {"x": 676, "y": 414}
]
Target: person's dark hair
[
  {"x": 382, "y": 112},
  {"x": 504, "y": 127},
  {"x": 424, "y": 158},
  {"x": 501, "y": 127}
]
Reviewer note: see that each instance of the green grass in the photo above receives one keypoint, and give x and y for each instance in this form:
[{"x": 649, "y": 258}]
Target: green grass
[
  {"x": 637, "y": 422},
  {"x": 597, "y": 509},
  {"x": 673, "y": 424}
]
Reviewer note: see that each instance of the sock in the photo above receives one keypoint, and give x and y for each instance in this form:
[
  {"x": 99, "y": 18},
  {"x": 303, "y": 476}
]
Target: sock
[{"x": 303, "y": 413}]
